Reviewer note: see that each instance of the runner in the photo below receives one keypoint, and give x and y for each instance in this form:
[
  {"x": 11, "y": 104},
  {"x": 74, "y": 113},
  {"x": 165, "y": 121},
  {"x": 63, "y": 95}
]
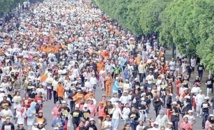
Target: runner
[{"x": 68, "y": 51}]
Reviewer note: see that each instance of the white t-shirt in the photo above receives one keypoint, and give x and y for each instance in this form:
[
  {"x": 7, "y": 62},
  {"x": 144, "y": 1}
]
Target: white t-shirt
[
  {"x": 172, "y": 65},
  {"x": 199, "y": 99},
  {"x": 195, "y": 90},
  {"x": 40, "y": 90},
  {"x": 124, "y": 99},
  {"x": 150, "y": 79},
  {"x": 93, "y": 80},
  {"x": 114, "y": 100},
  {"x": 116, "y": 112},
  {"x": 107, "y": 125},
  {"x": 140, "y": 127},
  {"x": 5, "y": 113},
  {"x": 191, "y": 118},
  {"x": 193, "y": 62}
]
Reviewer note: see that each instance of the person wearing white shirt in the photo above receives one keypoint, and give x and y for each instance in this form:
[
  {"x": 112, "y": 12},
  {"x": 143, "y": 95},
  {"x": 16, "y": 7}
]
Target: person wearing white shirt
[
  {"x": 199, "y": 100},
  {"x": 88, "y": 85},
  {"x": 108, "y": 67},
  {"x": 75, "y": 71},
  {"x": 125, "y": 112},
  {"x": 181, "y": 91},
  {"x": 5, "y": 84},
  {"x": 172, "y": 65},
  {"x": 195, "y": 90},
  {"x": 126, "y": 85},
  {"x": 124, "y": 98},
  {"x": 155, "y": 126},
  {"x": 55, "y": 84},
  {"x": 140, "y": 126},
  {"x": 191, "y": 117},
  {"x": 141, "y": 70},
  {"x": 115, "y": 98},
  {"x": 116, "y": 114},
  {"x": 193, "y": 63},
  {"x": 6, "y": 112},
  {"x": 40, "y": 90},
  {"x": 169, "y": 126},
  {"x": 16, "y": 100},
  {"x": 162, "y": 119},
  {"x": 106, "y": 125},
  {"x": 150, "y": 78},
  {"x": 93, "y": 80}
]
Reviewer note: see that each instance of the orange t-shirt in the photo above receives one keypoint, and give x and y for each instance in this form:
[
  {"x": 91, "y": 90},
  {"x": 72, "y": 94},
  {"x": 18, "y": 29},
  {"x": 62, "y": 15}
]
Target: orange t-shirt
[
  {"x": 100, "y": 66},
  {"x": 104, "y": 103},
  {"x": 109, "y": 81},
  {"x": 60, "y": 91},
  {"x": 78, "y": 97},
  {"x": 137, "y": 60},
  {"x": 1, "y": 51},
  {"x": 87, "y": 96},
  {"x": 44, "y": 77},
  {"x": 161, "y": 53}
]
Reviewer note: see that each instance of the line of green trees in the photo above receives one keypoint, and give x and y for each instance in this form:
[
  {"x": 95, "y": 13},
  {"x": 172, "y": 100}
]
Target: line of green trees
[
  {"x": 178, "y": 22},
  {"x": 6, "y": 5}
]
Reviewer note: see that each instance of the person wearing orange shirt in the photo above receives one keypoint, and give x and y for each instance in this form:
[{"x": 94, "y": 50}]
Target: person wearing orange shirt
[
  {"x": 78, "y": 97},
  {"x": 44, "y": 77},
  {"x": 60, "y": 91},
  {"x": 103, "y": 100},
  {"x": 89, "y": 95},
  {"x": 138, "y": 59},
  {"x": 100, "y": 66},
  {"x": 108, "y": 84}
]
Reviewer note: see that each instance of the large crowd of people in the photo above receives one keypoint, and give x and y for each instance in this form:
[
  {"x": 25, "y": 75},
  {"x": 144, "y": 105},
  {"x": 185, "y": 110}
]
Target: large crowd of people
[{"x": 64, "y": 52}]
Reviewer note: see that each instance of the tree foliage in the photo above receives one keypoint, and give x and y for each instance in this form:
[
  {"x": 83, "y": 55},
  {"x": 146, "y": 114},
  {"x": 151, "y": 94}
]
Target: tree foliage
[
  {"x": 190, "y": 21},
  {"x": 150, "y": 12},
  {"x": 177, "y": 21},
  {"x": 138, "y": 16},
  {"x": 6, "y": 5}
]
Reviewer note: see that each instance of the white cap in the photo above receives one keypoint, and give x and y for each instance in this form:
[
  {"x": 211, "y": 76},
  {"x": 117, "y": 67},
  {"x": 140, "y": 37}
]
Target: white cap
[
  {"x": 77, "y": 105},
  {"x": 143, "y": 94},
  {"x": 187, "y": 97},
  {"x": 206, "y": 98},
  {"x": 170, "y": 123},
  {"x": 91, "y": 119},
  {"x": 174, "y": 102},
  {"x": 20, "y": 123},
  {"x": 85, "y": 105},
  {"x": 156, "y": 123},
  {"x": 211, "y": 115},
  {"x": 190, "y": 111},
  {"x": 185, "y": 116},
  {"x": 63, "y": 102},
  {"x": 40, "y": 123}
]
